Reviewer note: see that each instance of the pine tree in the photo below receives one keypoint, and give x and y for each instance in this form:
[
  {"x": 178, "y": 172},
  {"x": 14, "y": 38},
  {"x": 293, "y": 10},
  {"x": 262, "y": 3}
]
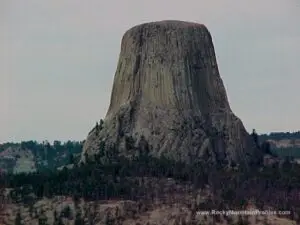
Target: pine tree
[
  {"x": 58, "y": 221},
  {"x": 101, "y": 124},
  {"x": 71, "y": 159},
  {"x": 43, "y": 220},
  {"x": 66, "y": 212},
  {"x": 97, "y": 128},
  {"x": 18, "y": 219},
  {"x": 78, "y": 219},
  {"x": 255, "y": 137}
]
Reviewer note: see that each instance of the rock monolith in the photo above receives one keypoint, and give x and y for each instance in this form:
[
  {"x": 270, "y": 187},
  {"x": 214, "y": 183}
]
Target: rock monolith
[{"x": 169, "y": 98}]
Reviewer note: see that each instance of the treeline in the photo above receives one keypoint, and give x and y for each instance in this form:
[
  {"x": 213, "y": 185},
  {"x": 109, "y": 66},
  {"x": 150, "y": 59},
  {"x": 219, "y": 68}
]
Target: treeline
[
  {"x": 283, "y": 152},
  {"x": 277, "y": 186},
  {"x": 290, "y": 152},
  {"x": 96, "y": 180},
  {"x": 56, "y": 154},
  {"x": 280, "y": 135},
  {"x": 36, "y": 147}
]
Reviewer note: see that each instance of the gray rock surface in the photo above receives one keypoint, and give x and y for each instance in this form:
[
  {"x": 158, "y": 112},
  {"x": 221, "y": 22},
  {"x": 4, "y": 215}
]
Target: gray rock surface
[{"x": 168, "y": 90}]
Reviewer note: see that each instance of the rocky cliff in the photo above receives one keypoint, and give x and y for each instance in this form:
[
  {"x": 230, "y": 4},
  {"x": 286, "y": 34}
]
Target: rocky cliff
[{"x": 168, "y": 96}]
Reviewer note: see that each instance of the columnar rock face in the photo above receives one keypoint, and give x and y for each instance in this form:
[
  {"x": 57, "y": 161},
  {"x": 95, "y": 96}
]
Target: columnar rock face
[{"x": 168, "y": 94}]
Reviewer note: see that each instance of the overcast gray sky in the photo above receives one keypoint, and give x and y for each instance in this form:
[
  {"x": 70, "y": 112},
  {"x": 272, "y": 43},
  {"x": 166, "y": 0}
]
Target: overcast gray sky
[{"x": 58, "y": 59}]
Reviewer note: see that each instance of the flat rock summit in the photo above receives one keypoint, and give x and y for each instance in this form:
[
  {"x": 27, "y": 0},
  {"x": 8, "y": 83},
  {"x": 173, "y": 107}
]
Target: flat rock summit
[{"x": 168, "y": 98}]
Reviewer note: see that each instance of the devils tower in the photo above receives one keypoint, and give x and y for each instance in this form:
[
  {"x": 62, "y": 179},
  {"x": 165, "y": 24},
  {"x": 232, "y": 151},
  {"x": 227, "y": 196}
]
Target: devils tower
[{"x": 168, "y": 94}]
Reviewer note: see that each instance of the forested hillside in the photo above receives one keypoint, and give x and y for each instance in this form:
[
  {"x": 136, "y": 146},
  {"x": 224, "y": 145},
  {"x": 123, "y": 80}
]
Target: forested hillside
[
  {"x": 110, "y": 176},
  {"x": 31, "y": 156},
  {"x": 284, "y": 144}
]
